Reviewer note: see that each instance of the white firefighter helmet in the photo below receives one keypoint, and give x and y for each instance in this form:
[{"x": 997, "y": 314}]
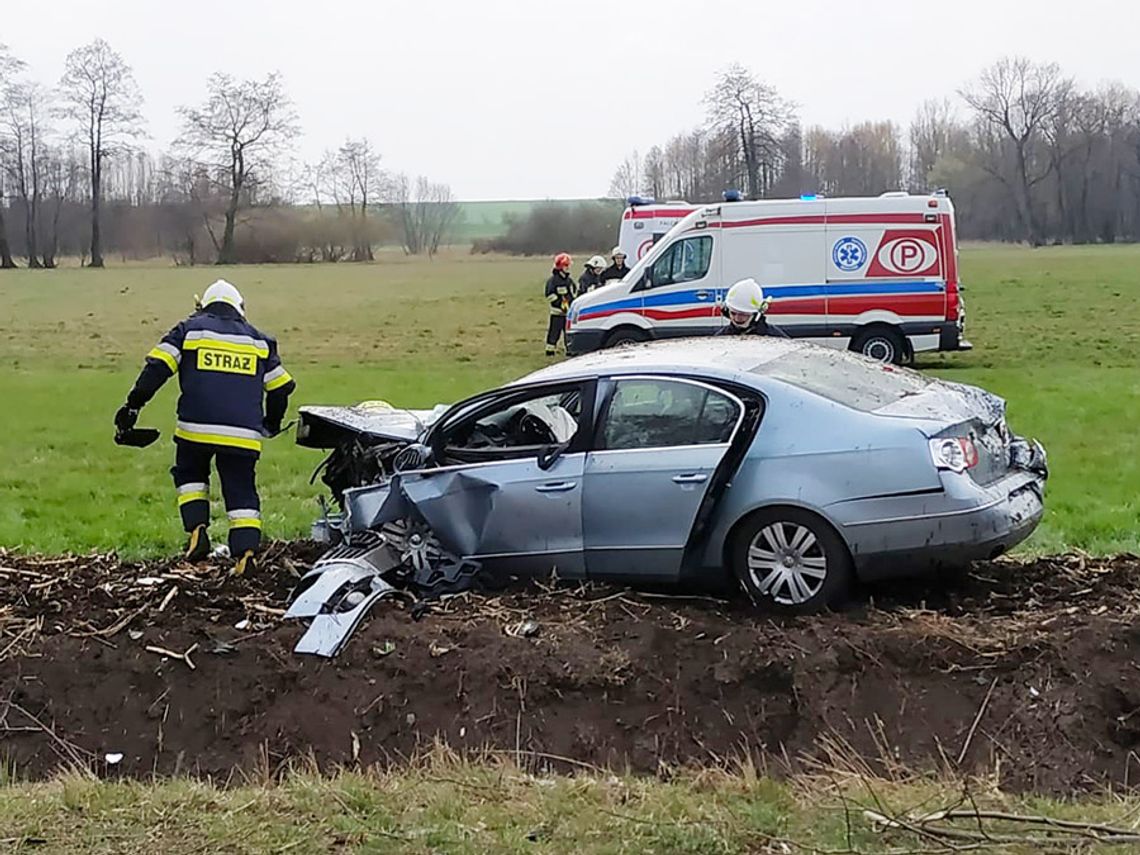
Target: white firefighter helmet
[
  {"x": 617, "y": 251},
  {"x": 597, "y": 262},
  {"x": 746, "y": 296},
  {"x": 223, "y": 292}
]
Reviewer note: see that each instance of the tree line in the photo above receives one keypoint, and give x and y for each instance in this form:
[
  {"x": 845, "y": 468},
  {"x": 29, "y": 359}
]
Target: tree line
[
  {"x": 75, "y": 179},
  {"x": 1025, "y": 153}
]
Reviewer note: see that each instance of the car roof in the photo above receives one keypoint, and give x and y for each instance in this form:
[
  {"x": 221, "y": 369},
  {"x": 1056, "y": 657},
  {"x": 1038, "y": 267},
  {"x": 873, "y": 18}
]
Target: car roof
[{"x": 713, "y": 356}]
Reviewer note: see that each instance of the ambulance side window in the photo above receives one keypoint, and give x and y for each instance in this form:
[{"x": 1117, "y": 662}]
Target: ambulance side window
[{"x": 684, "y": 261}]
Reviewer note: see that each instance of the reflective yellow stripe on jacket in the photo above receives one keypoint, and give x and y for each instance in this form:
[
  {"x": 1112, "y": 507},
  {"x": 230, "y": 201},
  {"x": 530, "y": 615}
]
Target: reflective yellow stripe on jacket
[
  {"x": 223, "y": 341},
  {"x": 225, "y": 435},
  {"x": 277, "y": 378}
]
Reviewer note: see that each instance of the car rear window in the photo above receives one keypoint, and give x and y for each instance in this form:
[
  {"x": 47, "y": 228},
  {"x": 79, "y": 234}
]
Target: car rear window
[{"x": 845, "y": 378}]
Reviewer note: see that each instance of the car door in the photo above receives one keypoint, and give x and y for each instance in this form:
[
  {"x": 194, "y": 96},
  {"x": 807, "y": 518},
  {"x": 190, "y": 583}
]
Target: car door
[
  {"x": 515, "y": 501},
  {"x": 679, "y": 290},
  {"x": 657, "y": 444}
]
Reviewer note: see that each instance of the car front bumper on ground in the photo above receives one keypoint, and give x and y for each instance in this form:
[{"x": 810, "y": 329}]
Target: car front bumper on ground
[{"x": 965, "y": 523}]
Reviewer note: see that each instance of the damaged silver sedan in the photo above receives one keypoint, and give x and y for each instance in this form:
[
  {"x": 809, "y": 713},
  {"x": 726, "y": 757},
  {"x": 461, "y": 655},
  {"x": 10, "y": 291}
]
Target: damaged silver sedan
[{"x": 794, "y": 469}]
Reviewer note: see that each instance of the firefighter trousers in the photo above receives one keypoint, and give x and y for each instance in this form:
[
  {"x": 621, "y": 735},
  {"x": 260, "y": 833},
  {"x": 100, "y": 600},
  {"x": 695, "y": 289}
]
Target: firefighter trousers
[
  {"x": 554, "y": 332},
  {"x": 238, "y": 474}
]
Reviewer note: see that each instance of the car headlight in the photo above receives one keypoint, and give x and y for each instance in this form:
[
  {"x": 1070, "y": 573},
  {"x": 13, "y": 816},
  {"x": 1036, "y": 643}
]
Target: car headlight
[{"x": 954, "y": 453}]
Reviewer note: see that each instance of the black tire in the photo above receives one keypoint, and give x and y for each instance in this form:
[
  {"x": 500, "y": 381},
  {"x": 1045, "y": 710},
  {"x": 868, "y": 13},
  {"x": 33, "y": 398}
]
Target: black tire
[
  {"x": 780, "y": 533},
  {"x": 625, "y": 335},
  {"x": 882, "y": 344}
]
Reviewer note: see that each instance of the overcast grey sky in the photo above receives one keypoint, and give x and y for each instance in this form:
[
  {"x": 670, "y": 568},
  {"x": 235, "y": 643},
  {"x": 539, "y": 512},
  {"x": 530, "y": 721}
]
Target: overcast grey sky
[{"x": 533, "y": 99}]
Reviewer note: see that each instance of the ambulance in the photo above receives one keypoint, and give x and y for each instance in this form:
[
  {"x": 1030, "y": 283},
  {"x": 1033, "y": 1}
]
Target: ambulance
[
  {"x": 877, "y": 275},
  {"x": 645, "y": 221}
]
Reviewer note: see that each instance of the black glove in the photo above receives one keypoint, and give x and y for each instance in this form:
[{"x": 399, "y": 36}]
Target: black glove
[
  {"x": 271, "y": 427},
  {"x": 125, "y": 418}
]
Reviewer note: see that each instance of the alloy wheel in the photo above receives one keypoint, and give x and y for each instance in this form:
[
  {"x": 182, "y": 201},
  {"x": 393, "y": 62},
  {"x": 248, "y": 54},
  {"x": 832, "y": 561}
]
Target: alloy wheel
[{"x": 787, "y": 563}]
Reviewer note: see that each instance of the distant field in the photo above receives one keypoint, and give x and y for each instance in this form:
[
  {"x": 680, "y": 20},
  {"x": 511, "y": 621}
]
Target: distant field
[
  {"x": 1057, "y": 332},
  {"x": 481, "y": 220}
]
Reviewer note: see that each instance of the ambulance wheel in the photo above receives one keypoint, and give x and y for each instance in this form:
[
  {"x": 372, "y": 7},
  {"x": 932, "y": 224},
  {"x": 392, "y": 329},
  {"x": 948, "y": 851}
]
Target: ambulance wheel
[
  {"x": 625, "y": 335},
  {"x": 882, "y": 344}
]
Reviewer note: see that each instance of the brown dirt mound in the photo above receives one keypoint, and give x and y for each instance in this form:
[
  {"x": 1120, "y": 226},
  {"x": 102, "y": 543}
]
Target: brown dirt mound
[{"x": 1029, "y": 669}]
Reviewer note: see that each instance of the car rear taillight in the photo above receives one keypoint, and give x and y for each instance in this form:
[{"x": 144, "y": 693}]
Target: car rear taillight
[
  {"x": 953, "y": 301},
  {"x": 954, "y": 453}
]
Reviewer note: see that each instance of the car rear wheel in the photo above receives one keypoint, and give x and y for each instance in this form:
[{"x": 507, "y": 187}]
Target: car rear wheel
[
  {"x": 625, "y": 336},
  {"x": 792, "y": 561},
  {"x": 881, "y": 344}
]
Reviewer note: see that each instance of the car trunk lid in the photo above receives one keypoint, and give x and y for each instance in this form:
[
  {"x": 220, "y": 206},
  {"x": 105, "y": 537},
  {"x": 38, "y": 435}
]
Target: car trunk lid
[{"x": 954, "y": 410}]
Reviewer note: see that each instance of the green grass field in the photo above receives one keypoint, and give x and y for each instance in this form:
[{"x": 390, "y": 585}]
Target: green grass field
[
  {"x": 1057, "y": 332},
  {"x": 445, "y": 806}
]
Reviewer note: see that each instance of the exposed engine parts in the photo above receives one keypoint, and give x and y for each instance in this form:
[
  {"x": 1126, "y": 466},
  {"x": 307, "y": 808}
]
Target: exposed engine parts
[{"x": 355, "y": 464}]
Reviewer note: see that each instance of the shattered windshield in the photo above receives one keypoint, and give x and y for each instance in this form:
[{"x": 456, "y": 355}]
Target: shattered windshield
[{"x": 845, "y": 378}]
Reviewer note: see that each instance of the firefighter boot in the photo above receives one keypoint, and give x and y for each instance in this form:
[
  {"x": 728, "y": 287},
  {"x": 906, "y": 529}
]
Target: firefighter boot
[
  {"x": 198, "y": 547},
  {"x": 247, "y": 563}
]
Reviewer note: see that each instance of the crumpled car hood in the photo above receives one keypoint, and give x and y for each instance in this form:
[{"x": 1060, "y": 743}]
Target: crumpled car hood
[
  {"x": 374, "y": 418},
  {"x": 944, "y": 401}
]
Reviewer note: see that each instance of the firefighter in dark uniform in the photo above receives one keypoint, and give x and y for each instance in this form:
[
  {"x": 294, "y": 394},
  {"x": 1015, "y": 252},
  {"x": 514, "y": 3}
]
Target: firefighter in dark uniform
[
  {"x": 591, "y": 277},
  {"x": 559, "y": 296},
  {"x": 617, "y": 270},
  {"x": 225, "y": 368},
  {"x": 746, "y": 306}
]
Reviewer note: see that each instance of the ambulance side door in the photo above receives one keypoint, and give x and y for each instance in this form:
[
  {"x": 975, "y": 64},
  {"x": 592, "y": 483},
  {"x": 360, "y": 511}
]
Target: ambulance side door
[{"x": 680, "y": 290}]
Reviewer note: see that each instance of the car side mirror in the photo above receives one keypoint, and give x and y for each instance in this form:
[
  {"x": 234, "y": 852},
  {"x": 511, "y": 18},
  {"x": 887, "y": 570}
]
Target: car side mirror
[{"x": 548, "y": 455}]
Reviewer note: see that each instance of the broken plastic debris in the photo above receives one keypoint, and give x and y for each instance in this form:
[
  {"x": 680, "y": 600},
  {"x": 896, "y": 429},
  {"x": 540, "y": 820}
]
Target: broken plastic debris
[
  {"x": 148, "y": 581},
  {"x": 410, "y": 718},
  {"x": 135, "y": 634},
  {"x": 1033, "y": 693},
  {"x": 242, "y": 624},
  {"x": 437, "y": 650},
  {"x": 384, "y": 649},
  {"x": 462, "y": 732},
  {"x": 526, "y": 629},
  {"x": 113, "y": 759},
  {"x": 220, "y": 551}
]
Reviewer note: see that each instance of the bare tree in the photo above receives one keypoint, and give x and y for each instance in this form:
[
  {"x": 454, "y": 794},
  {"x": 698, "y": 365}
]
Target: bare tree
[
  {"x": 427, "y": 214},
  {"x": 61, "y": 170},
  {"x": 359, "y": 164},
  {"x": 654, "y": 172},
  {"x": 25, "y": 106},
  {"x": 101, "y": 98},
  {"x": 1017, "y": 99},
  {"x": 191, "y": 197},
  {"x": 934, "y": 132},
  {"x": 627, "y": 178},
  {"x": 9, "y": 68},
  {"x": 238, "y": 131},
  {"x": 757, "y": 116}
]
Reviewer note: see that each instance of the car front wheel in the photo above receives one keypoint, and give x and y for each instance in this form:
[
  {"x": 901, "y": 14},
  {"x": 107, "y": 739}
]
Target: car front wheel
[{"x": 792, "y": 561}]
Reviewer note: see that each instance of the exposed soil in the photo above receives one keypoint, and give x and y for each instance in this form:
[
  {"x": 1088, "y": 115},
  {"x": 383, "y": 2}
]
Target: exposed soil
[{"x": 1032, "y": 670}]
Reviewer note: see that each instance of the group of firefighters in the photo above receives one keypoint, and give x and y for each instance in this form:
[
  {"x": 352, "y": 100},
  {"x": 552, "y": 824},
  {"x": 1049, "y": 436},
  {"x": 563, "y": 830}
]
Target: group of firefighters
[
  {"x": 745, "y": 305},
  {"x": 234, "y": 393},
  {"x": 561, "y": 289}
]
